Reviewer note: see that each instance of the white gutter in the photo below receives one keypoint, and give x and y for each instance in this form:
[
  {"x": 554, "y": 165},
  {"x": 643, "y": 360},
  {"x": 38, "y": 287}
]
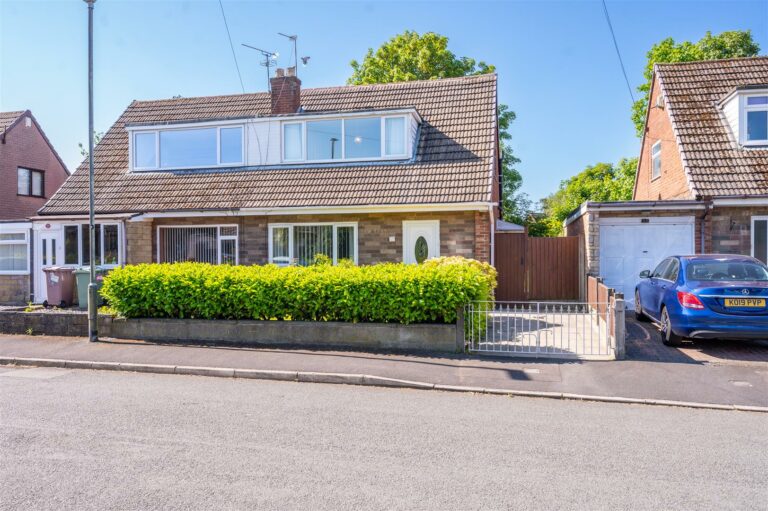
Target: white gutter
[
  {"x": 752, "y": 201},
  {"x": 408, "y": 208}
]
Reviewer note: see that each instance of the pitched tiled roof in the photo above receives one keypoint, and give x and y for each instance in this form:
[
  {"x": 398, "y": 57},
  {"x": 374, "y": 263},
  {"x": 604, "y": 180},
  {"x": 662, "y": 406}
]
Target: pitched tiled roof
[
  {"x": 453, "y": 162},
  {"x": 716, "y": 165},
  {"x": 8, "y": 118}
]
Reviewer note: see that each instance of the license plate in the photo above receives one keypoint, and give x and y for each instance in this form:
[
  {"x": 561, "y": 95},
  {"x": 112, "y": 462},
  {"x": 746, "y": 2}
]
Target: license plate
[{"x": 745, "y": 302}]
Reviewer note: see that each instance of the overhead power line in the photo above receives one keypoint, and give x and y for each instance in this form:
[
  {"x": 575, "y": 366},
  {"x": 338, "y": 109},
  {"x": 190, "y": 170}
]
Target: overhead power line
[
  {"x": 231, "y": 46},
  {"x": 618, "y": 53}
]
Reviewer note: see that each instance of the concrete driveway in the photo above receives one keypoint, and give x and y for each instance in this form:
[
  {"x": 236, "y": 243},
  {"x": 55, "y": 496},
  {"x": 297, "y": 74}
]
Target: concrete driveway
[{"x": 644, "y": 343}]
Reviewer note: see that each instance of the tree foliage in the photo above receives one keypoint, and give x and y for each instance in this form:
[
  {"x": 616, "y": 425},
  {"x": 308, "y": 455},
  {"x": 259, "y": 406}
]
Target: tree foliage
[
  {"x": 410, "y": 56},
  {"x": 413, "y": 56},
  {"x": 725, "y": 45},
  {"x": 600, "y": 182}
]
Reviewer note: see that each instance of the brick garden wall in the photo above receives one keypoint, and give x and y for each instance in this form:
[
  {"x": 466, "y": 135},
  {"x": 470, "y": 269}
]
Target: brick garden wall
[{"x": 464, "y": 233}]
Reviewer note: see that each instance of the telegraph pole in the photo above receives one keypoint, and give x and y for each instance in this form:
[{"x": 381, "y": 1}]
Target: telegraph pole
[{"x": 93, "y": 334}]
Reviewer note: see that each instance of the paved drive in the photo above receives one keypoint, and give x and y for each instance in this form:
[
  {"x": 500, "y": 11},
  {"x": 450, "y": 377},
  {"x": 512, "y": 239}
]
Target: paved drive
[{"x": 103, "y": 440}]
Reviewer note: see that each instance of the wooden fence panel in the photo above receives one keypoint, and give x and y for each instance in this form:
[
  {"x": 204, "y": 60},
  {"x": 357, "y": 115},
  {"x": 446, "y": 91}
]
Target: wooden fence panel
[{"x": 537, "y": 268}]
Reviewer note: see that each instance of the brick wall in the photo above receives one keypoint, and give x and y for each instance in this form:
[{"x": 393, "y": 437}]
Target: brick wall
[
  {"x": 672, "y": 184},
  {"x": 139, "y": 248},
  {"x": 14, "y": 289},
  {"x": 461, "y": 233},
  {"x": 25, "y": 146},
  {"x": 731, "y": 230}
]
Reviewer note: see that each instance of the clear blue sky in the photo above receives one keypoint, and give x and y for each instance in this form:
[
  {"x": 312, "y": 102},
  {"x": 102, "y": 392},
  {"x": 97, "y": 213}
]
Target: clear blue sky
[{"x": 556, "y": 62}]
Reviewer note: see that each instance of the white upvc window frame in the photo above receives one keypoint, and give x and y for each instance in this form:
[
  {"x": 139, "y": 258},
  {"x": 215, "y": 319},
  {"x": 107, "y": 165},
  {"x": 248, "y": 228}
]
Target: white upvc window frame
[
  {"x": 744, "y": 108},
  {"x": 382, "y": 130},
  {"x": 186, "y": 127},
  {"x": 79, "y": 225},
  {"x": 291, "y": 225},
  {"x": 655, "y": 155},
  {"x": 26, "y": 241},
  {"x": 219, "y": 238}
]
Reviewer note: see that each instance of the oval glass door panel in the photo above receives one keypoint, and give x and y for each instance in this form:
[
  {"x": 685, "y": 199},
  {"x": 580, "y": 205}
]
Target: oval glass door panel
[{"x": 421, "y": 249}]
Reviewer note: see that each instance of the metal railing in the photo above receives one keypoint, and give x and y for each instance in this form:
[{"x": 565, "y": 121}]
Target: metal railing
[{"x": 566, "y": 329}]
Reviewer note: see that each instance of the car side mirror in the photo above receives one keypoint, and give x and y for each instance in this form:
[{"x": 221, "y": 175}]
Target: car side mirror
[{"x": 645, "y": 274}]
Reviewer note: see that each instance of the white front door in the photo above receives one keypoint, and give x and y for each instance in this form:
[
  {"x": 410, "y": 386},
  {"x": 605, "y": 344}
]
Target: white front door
[
  {"x": 631, "y": 245},
  {"x": 421, "y": 240},
  {"x": 49, "y": 251}
]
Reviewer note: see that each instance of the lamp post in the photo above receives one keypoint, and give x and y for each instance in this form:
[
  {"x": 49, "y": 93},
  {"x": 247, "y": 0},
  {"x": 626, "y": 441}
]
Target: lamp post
[{"x": 93, "y": 334}]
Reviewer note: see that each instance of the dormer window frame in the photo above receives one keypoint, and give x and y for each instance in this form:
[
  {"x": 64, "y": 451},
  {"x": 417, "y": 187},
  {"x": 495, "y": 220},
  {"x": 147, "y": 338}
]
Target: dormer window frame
[
  {"x": 133, "y": 131},
  {"x": 381, "y": 116},
  {"x": 744, "y": 109}
]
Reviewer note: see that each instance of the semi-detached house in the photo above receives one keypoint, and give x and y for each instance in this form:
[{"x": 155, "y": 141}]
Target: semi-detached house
[
  {"x": 702, "y": 180},
  {"x": 391, "y": 172}
]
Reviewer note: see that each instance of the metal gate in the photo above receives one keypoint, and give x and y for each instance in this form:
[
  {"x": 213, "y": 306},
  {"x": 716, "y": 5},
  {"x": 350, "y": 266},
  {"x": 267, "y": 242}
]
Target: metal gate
[{"x": 559, "y": 330}]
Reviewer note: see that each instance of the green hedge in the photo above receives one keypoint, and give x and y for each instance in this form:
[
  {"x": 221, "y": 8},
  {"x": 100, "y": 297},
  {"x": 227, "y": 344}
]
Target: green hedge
[{"x": 391, "y": 293}]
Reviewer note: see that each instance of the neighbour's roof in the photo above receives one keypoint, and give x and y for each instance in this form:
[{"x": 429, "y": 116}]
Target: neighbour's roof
[
  {"x": 716, "y": 164},
  {"x": 9, "y": 118},
  {"x": 504, "y": 226},
  {"x": 454, "y": 160}
]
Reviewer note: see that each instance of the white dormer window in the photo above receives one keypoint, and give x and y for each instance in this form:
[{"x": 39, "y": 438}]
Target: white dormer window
[
  {"x": 187, "y": 148},
  {"x": 756, "y": 119},
  {"x": 345, "y": 139},
  {"x": 656, "y": 160}
]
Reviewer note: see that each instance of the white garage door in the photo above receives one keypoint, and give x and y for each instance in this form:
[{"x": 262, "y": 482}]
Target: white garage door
[{"x": 631, "y": 245}]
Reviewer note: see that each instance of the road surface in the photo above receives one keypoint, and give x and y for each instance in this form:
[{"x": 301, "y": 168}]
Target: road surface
[{"x": 108, "y": 440}]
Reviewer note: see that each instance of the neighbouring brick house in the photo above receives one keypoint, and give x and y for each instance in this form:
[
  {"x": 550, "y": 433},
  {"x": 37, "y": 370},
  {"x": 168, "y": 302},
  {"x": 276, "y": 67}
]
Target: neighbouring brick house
[
  {"x": 391, "y": 172},
  {"x": 702, "y": 179},
  {"x": 30, "y": 172}
]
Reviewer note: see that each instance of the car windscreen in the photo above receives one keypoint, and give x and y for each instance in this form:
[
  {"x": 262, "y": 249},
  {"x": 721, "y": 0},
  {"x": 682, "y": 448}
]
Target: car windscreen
[{"x": 726, "y": 270}]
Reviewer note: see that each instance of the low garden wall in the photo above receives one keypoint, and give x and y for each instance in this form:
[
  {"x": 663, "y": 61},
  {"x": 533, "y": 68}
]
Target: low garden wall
[
  {"x": 444, "y": 338},
  {"x": 379, "y": 307}
]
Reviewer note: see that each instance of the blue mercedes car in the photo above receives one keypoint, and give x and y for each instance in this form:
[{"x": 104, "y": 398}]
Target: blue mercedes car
[{"x": 705, "y": 297}]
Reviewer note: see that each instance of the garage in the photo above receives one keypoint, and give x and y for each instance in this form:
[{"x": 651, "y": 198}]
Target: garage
[{"x": 629, "y": 245}]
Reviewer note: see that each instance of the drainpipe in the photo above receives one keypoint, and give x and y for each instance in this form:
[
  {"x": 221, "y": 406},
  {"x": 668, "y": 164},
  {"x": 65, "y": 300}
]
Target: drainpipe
[{"x": 493, "y": 235}]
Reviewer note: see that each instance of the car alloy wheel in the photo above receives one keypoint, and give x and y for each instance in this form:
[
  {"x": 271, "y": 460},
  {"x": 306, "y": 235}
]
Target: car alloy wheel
[{"x": 668, "y": 337}]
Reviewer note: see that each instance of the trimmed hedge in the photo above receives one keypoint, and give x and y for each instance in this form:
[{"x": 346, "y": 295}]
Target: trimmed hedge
[{"x": 388, "y": 293}]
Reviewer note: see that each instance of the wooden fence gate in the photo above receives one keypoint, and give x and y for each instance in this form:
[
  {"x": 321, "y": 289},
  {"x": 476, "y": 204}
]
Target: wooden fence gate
[{"x": 537, "y": 268}]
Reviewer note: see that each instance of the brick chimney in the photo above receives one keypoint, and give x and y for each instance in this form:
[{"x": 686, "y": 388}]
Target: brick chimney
[{"x": 286, "y": 91}]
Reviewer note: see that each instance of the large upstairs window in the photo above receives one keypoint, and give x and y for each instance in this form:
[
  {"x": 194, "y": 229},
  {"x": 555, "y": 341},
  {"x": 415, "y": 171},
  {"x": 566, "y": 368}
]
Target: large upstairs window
[
  {"x": 345, "y": 139},
  {"x": 188, "y": 148}
]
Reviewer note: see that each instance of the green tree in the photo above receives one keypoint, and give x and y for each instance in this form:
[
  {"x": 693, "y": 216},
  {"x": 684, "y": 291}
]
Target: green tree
[
  {"x": 725, "y": 45},
  {"x": 413, "y": 56},
  {"x": 599, "y": 182}
]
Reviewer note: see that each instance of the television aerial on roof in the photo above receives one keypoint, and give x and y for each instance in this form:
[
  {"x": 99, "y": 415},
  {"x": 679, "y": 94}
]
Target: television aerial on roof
[{"x": 270, "y": 59}]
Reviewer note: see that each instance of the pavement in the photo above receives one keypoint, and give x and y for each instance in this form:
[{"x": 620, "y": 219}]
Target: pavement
[
  {"x": 652, "y": 373},
  {"x": 77, "y": 439}
]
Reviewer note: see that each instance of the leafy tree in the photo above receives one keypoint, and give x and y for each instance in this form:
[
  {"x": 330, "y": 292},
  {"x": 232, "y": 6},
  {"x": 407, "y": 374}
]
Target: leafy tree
[
  {"x": 411, "y": 56},
  {"x": 732, "y": 44},
  {"x": 599, "y": 182}
]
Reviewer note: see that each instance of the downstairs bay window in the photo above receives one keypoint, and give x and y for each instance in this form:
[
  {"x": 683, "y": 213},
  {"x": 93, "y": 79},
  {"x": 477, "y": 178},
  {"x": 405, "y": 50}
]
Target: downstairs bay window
[
  {"x": 213, "y": 244},
  {"x": 300, "y": 243}
]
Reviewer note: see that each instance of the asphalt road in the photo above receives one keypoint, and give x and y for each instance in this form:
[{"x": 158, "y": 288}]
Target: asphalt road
[{"x": 103, "y": 440}]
